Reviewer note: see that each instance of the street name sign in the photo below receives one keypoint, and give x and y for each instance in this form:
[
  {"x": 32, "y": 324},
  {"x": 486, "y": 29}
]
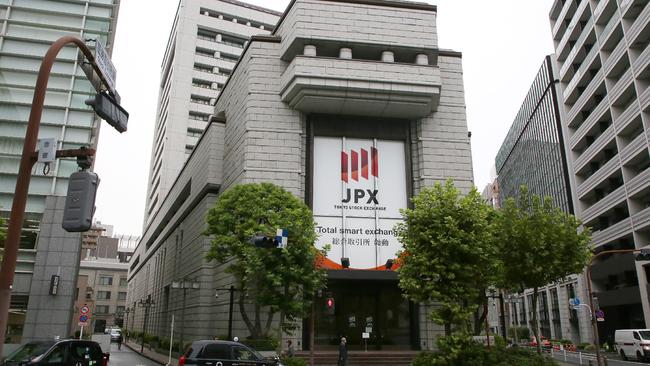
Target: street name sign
[{"x": 103, "y": 61}]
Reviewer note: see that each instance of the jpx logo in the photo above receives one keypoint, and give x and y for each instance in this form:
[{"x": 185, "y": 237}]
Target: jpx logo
[{"x": 350, "y": 171}]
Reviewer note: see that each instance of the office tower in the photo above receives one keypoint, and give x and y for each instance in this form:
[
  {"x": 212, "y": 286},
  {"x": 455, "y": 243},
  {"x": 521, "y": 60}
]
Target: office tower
[
  {"x": 206, "y": 40},
  {"x": 603, "y": 59},
  {"x": 29, "y": 27}
]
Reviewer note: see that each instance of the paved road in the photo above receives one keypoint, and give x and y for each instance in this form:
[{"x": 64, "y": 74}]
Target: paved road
[
  {"x": 583, "y": 358},
  {"x": 126, "y": 357}
]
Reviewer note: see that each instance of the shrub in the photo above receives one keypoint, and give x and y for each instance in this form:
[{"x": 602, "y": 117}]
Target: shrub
[
  {"x": 566, "y": 341},
  {"x": 590, "y": 347},
  {"x": 462, "y": 351},
  {"x": 523, "y": 333},
  {"x": 293, "y": 361},
  {"x": 583, "y": 345},
  {"x": 164, "y": 343}
]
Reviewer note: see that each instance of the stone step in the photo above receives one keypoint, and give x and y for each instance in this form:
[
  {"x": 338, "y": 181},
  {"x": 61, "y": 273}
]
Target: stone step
[{"x": 358, "y": 358}]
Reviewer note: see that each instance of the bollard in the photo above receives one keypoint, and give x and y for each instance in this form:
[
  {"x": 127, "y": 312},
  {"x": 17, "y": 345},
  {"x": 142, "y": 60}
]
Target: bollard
[
  {"x": 605, "y": 360},
  {"x": 580, "y": 357},
  {"x": 565, "y": 354}
]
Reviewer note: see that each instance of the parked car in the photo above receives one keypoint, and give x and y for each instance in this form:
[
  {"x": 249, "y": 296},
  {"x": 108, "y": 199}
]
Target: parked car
[
  {"x": 224, "y": 353},
  {"x": 633, "y": 343},
  {"x": 68, "y": 352}
]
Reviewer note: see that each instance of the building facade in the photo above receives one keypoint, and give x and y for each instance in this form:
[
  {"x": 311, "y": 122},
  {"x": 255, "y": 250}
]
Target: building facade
[
  {"x": 603, "y": 58},
  {"x": 28, "y": 28},
  {"x": 533, "y": 154},
  {"x": 206, "y": 40},
  {"x": 344, "y": 96}
]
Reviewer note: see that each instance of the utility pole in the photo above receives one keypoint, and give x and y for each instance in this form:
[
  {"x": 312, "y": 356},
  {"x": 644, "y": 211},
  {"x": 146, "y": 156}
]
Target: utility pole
[{"x": 28, "y": 158}]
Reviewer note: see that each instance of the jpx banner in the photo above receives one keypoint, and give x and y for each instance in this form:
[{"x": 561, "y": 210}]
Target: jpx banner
[{"x": 359, "y": 188}]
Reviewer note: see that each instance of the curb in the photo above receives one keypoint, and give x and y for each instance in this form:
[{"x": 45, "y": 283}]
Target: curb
[{"x": 143, "y": 354}]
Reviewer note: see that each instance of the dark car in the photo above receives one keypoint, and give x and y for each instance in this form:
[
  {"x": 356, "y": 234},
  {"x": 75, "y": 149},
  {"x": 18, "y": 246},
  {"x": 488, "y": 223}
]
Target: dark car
[
  {"x": 223, "y": 353},
  {"x": 69, "y": 352}
]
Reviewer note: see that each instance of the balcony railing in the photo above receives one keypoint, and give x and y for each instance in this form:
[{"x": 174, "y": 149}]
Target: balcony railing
[
  {"x": 639, "y": 24},
  {"x": 589, "y": 122}
]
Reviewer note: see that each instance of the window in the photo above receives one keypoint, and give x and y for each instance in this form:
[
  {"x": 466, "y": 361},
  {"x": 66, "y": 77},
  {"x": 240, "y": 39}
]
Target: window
[
  {"x": 199, "y": 116},
  {"x": 240, "y": 353},
  {"x": 229, "y": 57},
  {"x": 56, "y": 356},
  {"x": 101, "y": 309},
  {"x": 104, "y": 295},
  {"x": 121, "y": 295},
  {"x": 216, "y": 351},
  {"x": 106, "y": 280},
  {"x": 636, "y": 336},
  {"x": 199, "y": 99},
  {"x": 205, "y": 52},
  {"x": 194, "y": 132},
  {"x": 203, "y": 68},
  {"x": 202, "y": 83},
  {"x": 120, "y": 309},
  {"x": 123, "y": 282}
]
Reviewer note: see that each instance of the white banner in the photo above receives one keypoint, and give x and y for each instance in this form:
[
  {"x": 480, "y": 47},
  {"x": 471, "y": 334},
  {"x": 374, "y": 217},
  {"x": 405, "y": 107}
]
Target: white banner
[{"x": 359, "y": 187}]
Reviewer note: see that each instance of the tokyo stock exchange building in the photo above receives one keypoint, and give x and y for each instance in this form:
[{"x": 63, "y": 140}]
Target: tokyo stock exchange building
[{"x": 351, "y": 106}]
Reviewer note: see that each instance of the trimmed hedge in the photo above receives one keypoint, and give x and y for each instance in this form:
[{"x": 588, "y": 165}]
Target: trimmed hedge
[{"x": 462, "y": 351}]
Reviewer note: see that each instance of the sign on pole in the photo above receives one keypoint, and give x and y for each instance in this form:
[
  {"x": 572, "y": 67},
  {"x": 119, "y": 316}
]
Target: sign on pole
[
  {"x": 282, "y": 237},
  {"x": 600, "y": 315},
  {"x": 103, "y": 61}
]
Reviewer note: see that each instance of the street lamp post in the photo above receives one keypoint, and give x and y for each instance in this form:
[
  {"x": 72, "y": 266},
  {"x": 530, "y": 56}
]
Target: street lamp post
[
  {"x": 27, "y": 160},
  {"x": 232, "y": 290},
  {"x": 184, "y": 285},
  {"x": 502, "y": 316},
  {"x": 146, "y": 304},
  {"x": 126, "y": 323}
]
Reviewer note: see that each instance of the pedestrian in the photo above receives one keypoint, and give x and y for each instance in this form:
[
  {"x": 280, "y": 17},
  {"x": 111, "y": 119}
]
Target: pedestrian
[
  {"x": 290, "y": 350},
  {"x": 119, "y": 341},
  {"x": 343, "y": 353},
  {"x": 215, "y": 338}
]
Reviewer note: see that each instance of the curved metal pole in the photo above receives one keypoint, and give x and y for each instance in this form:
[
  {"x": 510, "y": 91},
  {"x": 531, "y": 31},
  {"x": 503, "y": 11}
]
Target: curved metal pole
[
  {"x": 594, "y": 324},
  {"x": 27, "y": 161}
]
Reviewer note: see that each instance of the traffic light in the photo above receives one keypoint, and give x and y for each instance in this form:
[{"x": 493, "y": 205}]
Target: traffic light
[
  {"x": 264, "y": 242},
  {"x": 80, "y": 201},
  {"x": 643, "y": 255},
  {"x": 329, "y": 306},
  {"x": 109, "y": 110}
]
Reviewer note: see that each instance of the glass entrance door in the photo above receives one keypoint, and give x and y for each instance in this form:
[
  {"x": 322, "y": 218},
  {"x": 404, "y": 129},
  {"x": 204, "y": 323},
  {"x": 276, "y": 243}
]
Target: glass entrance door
[{"x": 367, "y": 313}]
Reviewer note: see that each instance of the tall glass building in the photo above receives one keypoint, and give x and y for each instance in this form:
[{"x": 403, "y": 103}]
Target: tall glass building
[
  {"x": 29, "y": 27},
  {"x": 532, "y": 153}
]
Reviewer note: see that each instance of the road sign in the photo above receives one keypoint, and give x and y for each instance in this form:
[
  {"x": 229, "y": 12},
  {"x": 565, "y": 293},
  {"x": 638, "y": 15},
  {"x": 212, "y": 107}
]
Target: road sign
[
  {"x": 103, "y": 61},
  {"x": 83, "y": 318},
  {"x": 82, "y": 324},
  {"x": 573, "y": 302},
  {"x": 282, "y": 237},
  {"x": 84, "y": 309},
  {"x": 600, "y": 316}
]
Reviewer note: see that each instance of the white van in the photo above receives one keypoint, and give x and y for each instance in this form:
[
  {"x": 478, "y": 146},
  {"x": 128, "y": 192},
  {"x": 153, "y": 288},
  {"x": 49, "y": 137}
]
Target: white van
[{"x": 633, "y": 343}]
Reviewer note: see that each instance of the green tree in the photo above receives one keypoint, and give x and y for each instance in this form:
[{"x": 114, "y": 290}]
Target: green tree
[
  {"x": 449, "y": 253},
  {"x": 539, "y": 244},
  {"x": 280, "y": 280}
]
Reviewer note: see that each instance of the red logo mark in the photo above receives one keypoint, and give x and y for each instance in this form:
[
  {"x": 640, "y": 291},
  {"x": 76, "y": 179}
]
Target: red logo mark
[{"x": 353, "y": 162}]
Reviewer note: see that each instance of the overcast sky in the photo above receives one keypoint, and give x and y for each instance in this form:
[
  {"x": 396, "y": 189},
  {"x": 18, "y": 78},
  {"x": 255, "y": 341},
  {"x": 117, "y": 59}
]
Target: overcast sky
[{"x": 503, "y": 44}]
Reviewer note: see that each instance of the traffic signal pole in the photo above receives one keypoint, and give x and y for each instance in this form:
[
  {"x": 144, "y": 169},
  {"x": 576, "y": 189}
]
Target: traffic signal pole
[{"x": 27, "y": 161}]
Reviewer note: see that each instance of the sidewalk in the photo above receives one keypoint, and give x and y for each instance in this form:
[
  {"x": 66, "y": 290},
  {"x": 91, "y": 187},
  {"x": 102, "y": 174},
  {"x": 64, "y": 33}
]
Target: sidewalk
[{"x": 150, "y": 354}]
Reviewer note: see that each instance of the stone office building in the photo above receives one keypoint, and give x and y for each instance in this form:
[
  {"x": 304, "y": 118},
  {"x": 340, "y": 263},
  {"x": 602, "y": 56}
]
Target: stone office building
[{"x": 342, "y": 95}]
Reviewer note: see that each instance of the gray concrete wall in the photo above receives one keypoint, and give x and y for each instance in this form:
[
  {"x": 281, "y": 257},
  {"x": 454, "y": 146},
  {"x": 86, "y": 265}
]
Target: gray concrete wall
[{"x": 58, "y": 254}]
